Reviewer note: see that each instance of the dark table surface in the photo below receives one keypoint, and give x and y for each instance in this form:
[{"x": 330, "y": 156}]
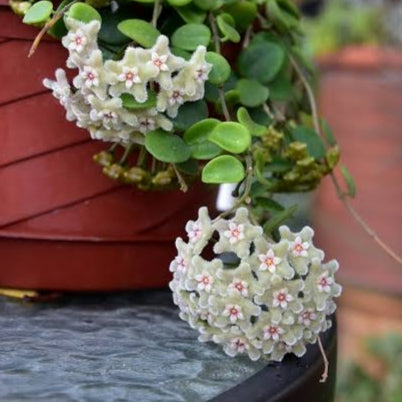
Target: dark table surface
[{"x": 109, "y": 347}]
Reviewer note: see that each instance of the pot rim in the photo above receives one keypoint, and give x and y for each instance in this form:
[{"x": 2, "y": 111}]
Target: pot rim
[{"x": 362, "y": 57}]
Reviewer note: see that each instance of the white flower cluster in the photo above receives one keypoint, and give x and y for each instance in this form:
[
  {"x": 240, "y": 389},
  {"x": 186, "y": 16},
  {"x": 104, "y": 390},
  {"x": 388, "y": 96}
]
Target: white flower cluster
[
  {"x": 94, "y": 99},
  {"x": 275, "y": 301}
]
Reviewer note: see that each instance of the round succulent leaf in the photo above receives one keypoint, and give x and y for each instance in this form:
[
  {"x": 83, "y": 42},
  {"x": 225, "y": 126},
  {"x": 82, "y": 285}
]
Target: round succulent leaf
[
  {"x": 261, "y": 61},
  {"x": 243, "y": 14},
  {"x": 197, "y": 138},
  {"x": 223, "y": 169},
  {"x": 254, "y": 128},
  {"x": 129, "y": 102},
  {"x": 226, "y": 26},
  {"x": 206, "y": 4},
  {"x": 190, "y": 36},
  {"x": 109, "y": 32},
  {"x": 251, "y": 92},
  {"x": 142, "y": 32},
  {"x": 189, "y": 167},
  {"x": 191, "y": 14},
  {"x": 167, "y": 147},
  {"x": 221, "y": 69},
  {"x": 231, "y": 136},
  {"x": 281, "y": 88},
  {"x": 189, "y": 114},
  {"x": 39, "y": 12},
  {"x": 83, "y": 12},
  {"x": 179, "y": 3}
]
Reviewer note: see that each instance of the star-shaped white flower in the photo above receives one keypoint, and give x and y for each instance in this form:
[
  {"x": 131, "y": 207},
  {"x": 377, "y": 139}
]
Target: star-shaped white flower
[
  {"x": 269, "y": 261},
  {"x": 272, "y": 332},
  {"x": 205, "y": 281},
  {"x": 194, "y": 231},
  {"x": 306, "y": 316},
  {"x": 324, "y": 283},
  {"x": 234, "y": 312},
  {"x": 299, "y": 248},
  {"x": 129, "y": 76},
  {"x": 239, "y": 286},
  {"x": 235, "y": 232},
  {"x": 281, "y": 298}
]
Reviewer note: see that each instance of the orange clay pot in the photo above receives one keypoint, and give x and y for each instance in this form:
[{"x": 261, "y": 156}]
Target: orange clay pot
[
  {"x": 63, "y": 225},
  {"x": 360, "y": 95}
]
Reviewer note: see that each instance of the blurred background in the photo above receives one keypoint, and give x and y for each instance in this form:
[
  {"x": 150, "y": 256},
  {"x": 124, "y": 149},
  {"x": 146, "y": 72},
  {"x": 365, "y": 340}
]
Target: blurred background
[{"x": 357, "y": 46}]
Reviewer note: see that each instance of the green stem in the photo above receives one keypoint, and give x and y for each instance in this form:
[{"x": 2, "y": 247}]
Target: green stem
[
  {"x": 215, "y": 34},
  {"x": 182, "y": 182},
  {"x": 156, "y": 12},
  {"x": 126, "y": 154}
]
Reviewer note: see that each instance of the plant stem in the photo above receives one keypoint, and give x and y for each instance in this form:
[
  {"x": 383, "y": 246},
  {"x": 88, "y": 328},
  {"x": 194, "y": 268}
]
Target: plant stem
[
  {"x": 47, "y": 26},
  {"x": 324, "y": 374},
  {"x": 215, "y": 34},
  {"x": 126, "y": 154},
  {"x": 156, "y": 12},
  {"x": 182, "y": 182},
  {"x": 341, "y": 195}
]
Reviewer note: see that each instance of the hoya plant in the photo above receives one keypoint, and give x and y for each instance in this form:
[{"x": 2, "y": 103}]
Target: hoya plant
[{"x": 217, "y": 91}]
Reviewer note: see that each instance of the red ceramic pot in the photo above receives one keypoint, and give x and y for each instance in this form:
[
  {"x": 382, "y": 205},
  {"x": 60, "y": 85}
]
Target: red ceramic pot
[
  {"x": 63, "y": 225},
  {"x": 360, "y": 95}
]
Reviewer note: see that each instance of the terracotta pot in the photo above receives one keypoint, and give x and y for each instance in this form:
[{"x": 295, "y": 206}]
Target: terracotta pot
[
  {"x": 63, "y": 224},
  {"x": 360, "y": 95}
]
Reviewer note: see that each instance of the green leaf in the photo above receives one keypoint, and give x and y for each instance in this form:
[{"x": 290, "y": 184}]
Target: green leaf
[
  {"x": 226, "y": 26},
  {"x": 167, "y": 147},
  {"x": 83, "y": 12},
  {"x": 269, "y": 204},
  {"x": 261, "y": 61},
  {"x": 191, "y": 14},
  {"x": 178, "y": 3},
  {"x": 350, "y": 183},
  {"x": 40, "y": 12},
  {"x": 254, "y": 128},
  {"x": 223, "y": 169},
  {"x": 129, "y": 101},
  {"x": 252, "y": 93},
  {"x": 142, "y": 32},
  {"x": 190, "y": 36},
  {"x": 109, "y": 32},
  {"x": 315, "y": 145},
  {"x": 231, "y": 136},
  {"x": 197, "y": 139},
  {"x": 280, "y": 89},
  {"x": 329, "y": 135},
  {"x": 189, "y": 114},
  {"x": 278, "y": 219},
  {"x": 278, "y": 165},
  {"x": 189, "y": 167},
  {"x": 243, "y": 14},
  {"x": 221, "y": 69}
]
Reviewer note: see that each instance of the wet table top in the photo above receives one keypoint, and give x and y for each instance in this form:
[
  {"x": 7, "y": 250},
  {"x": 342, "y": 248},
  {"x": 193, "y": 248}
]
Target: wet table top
[{"x": 113, "y": 347}]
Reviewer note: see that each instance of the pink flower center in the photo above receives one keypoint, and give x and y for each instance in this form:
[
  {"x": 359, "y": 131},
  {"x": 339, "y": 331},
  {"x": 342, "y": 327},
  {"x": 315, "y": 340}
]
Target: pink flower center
[
  {"x": 239, "y": 343},
  {"x": 91, "y": 76},
  {"x": 323, "y": 282},
  {"x": 158, "y": 63},
  {"x": 130, "y": 76},
  {"x": 298, "y": 248},
  {"x": 205, "y": 280},
  {"x": 78, "y": 40},
  {"x": 236, "y": 233},
  {"x": 281, "y": 297},
  {"x": 272, "y": 330},
  {"x": 233, "y": 311},
  {"x": 306, "y": 315},
  {"x": 239, "y": 286},
  {"x": 269, "y": 261}
]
